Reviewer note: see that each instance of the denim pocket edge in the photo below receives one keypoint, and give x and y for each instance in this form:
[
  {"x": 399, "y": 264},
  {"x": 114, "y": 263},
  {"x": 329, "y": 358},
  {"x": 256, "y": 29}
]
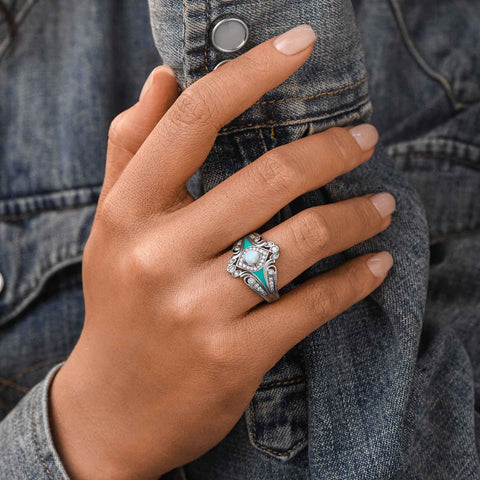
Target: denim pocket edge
[{"x": 277, "y": 419}]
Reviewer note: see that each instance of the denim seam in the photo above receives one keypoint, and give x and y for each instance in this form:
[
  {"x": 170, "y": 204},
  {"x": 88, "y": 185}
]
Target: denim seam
[
  {"x": 263, "y": 447},
  {"x": 446, "y": 236},
  {"x": 39, "y": 449},
  {"x": 293, "y": 381},
  {"x": 52, "y": 192},
  {"x": 14, "y": 203},
  {"x": 23, "y": 216},
  {"x": 439, "y": 156},
  {"x": 19, "y": 18},
  {"x": 420, "y": 59},
  {"x": 39, "y": 282},
  {"x": 23, "y": 372},
  {"x": 5, "y": 382},
  {"x": 207, "y": 27},
  {"x": 184, "y": 33},
  {"x": 321, "y": 94},
  {"x": 261, "y": 141},
  {"x": 276, "y": 123}
]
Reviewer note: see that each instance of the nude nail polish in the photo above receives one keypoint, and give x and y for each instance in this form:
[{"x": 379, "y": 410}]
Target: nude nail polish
[
  {"x": 384, "y": 202},
  {"x": 366, "y": 135},
  {"x": 380, "y": 263},
  {"x": 295, "y": 40}
]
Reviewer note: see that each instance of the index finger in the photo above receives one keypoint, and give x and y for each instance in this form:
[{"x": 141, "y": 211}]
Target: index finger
[{"x": 155, "y": 178}]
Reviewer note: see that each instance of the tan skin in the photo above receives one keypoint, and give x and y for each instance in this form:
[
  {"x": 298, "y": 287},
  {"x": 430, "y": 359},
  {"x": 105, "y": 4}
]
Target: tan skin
[{"x": 173, "y": 347}]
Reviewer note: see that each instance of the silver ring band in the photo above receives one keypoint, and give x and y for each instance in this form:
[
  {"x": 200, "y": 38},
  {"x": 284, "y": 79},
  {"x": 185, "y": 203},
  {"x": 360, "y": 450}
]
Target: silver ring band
[{"x": 253, "y": 260}]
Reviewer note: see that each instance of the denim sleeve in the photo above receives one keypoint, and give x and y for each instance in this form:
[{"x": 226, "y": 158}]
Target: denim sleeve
[{"x": 27, "y": 449}]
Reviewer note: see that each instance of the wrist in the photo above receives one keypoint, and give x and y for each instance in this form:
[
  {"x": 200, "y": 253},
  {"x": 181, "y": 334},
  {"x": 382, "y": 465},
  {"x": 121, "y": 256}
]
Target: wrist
[{"x": 95, "y": 434}]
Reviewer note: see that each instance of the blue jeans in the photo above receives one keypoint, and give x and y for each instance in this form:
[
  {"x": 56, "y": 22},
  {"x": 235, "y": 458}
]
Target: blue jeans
[{"x": 386, "y": 390}]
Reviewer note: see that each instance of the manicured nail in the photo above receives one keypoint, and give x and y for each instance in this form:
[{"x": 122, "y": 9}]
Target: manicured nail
[
  {"x": 148, "y": 83},
  {"x": 295, "y": 40},
  {"x": 380, "y": 263},
  {"x": 366, "y": 136},
  {"x": 384, "y": 202}
]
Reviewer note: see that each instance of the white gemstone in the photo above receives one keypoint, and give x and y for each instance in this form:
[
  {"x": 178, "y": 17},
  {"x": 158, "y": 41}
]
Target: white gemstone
[
  {"x": 275, "y": 248},
  {"x": 236, "y": 273},
  {"x": 251, "y": 256}
]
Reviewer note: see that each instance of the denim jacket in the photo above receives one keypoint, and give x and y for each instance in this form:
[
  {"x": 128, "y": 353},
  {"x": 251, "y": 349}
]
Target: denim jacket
[{"x": 386, "y": 390}]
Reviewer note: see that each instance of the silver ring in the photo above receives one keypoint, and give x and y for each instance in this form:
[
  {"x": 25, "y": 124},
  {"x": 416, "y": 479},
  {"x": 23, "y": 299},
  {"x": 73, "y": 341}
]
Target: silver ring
[{"x": 253, "y": 260}]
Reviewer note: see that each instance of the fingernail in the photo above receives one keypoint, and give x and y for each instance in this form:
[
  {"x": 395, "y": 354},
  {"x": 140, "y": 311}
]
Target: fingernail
[
  {"x": 148, "y": 83},
  {"x": 295, "y": 40},
  {"x": 366, "y": 136},
  {"x": 384, "y": 202},
  {"x": 380, "y": 263}
]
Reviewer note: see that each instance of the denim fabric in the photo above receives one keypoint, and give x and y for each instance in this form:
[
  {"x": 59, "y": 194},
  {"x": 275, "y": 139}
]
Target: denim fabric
[{"x": 386, "y": 390}]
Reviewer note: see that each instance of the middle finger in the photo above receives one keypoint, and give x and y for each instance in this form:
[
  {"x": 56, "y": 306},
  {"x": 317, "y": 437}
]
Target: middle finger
[{"x": 251, "y": 196}]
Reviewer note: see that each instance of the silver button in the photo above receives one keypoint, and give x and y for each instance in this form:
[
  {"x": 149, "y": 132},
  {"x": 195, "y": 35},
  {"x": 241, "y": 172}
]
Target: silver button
[
  {"x": 229, "y": 34},
  {"x": 2, "y": 283},
  {"x": 220, "y": 63}
]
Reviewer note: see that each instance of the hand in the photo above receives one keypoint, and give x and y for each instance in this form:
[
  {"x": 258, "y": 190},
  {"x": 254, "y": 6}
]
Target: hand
[{"x": 174, "y": 347}]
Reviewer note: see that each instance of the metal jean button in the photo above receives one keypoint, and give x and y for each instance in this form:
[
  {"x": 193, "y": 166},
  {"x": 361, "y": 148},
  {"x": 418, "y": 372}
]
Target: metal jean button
[
  {"x": 229, "y": 34},
  {"x": 2, "y": 283}
]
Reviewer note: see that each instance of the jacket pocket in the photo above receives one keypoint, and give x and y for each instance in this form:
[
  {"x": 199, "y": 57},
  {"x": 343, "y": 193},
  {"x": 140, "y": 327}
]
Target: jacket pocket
[
  {"x": 39, "y": 236},
  {"x": 277, "y": 415},
  {"x": 446, "y": 174},
  {"x": 443, "y": 38},
  {"x": 277, "y": 418}
]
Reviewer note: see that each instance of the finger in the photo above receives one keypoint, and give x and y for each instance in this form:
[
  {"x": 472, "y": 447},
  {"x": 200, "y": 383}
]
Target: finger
[
  {"x": 131, "y": 127},
  {"x": 255, "y": 193},
  {"x": 307, "y": 237},
  {"x": 270, "y": 330},
  {"x": 181, "y": 141}
]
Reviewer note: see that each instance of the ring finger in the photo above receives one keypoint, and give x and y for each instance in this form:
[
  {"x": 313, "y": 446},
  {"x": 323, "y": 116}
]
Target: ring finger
[{"x": 307, "y": 237}]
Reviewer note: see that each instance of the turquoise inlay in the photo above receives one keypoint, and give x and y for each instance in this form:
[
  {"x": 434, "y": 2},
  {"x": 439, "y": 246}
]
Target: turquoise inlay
[
  {"x": 258, "y": 273},
  {"x": 261, "y": 277},
  {"x": 246, "y": 243}
]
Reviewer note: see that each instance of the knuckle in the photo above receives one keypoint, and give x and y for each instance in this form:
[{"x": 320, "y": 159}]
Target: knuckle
[
  {"x": 258, "y": 63},
  {"x": 114, "y": 215},
  {"x": 193, "y": 107},
  {"x": 108, "y": 212},
  {"x": 311, "y": 232},
  {"x": 366, "y": 213},
  {"x": 357, "y": 282},
  {"x": 139, "y": 265},
  {"x": 277, "y": 173},
  {"x": 321, "y": 301},
  {"x": 342, "y": 146},
  {"x": 117, "y": 130}
]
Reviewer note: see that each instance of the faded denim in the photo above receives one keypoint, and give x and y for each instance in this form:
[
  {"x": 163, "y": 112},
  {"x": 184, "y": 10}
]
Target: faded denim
[{"x": 386, "y": 390}]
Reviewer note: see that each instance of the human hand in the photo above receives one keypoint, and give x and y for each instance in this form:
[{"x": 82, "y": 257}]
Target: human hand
[{"x": 173, "y": 347}]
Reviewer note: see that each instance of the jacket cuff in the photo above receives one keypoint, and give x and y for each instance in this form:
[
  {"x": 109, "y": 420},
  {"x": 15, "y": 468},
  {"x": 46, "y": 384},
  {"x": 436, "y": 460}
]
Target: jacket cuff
[{"x": 27, "y": 449}]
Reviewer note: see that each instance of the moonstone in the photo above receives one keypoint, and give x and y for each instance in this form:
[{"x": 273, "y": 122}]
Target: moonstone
[{"x": 251, "y": 257}]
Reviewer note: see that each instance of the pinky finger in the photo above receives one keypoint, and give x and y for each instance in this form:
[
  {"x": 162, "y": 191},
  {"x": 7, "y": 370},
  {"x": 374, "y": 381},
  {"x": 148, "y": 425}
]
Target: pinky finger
[{"x": 275, "y": 328}]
